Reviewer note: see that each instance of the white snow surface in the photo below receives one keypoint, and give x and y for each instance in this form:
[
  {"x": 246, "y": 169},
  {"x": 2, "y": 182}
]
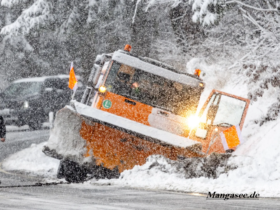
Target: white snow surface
[
  {"x": 202, "y": 13},
  {"x": 32, "y": 160}
]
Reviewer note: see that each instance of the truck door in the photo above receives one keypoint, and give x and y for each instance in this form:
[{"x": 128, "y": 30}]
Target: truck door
[{"x": 220, "y": 112}]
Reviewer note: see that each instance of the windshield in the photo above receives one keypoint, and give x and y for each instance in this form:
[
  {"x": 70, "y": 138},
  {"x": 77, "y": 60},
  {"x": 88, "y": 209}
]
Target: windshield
[
  {"x": 223, "y": 110},
  {"x": 230, "y": 111},
  {"x": 151, "y": 89},
  {"x": 23, "y": 89}
]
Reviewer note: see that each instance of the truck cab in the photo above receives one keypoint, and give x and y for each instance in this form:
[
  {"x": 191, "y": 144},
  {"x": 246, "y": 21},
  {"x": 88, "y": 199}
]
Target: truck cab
[
  {"x": 148, "y": 92},
  {"x": 135, "y": 107}
]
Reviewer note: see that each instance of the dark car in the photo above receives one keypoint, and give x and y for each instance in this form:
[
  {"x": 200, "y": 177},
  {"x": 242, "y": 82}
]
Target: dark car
[{"x": 29, "y": 101}]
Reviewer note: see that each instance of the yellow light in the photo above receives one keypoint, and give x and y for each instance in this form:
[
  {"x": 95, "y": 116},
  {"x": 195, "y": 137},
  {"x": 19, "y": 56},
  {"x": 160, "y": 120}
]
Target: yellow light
[
  {"x": 201, "y": 84},
  {"x": 216, "y": 129},
  {"x": 197, "y": 72},
  {"x": 102, "y": 89},
  {"x": 193, "y": 121},
  {"x": 127, "y": 48}
]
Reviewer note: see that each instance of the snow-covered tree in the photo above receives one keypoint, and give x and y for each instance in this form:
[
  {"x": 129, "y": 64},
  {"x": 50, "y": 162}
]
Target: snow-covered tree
[
  {"x": 79, "y": 29},
  {"x": 207, "y": 12},
  {"x": 256, "y": 33}
]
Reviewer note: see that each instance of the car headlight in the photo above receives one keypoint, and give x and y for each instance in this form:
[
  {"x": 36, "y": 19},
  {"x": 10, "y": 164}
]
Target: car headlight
[
  {"x": 193, "y": 121},
  {"x": 25, "y": 105}
]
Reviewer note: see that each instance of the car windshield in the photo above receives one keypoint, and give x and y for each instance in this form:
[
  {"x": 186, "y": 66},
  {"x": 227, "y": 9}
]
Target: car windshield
[
  {"x": 23, "y": 89},
  {"x": 151, "y": 89}
]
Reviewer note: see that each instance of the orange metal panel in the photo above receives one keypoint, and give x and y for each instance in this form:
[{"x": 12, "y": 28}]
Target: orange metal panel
[
  {"x": 138, "y": 112},
  {"x": 114, "y": 148},
  {"x": 217, "y": 145},
  {"x": 231, "y": 136}
]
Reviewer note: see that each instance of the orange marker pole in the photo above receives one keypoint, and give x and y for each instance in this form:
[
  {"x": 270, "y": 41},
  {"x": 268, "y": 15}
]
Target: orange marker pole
[{"x": 73, "y": 83}]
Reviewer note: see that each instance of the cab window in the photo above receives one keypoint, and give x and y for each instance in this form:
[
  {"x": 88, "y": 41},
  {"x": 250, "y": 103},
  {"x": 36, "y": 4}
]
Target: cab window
[
  {"x": 222, "y": 111},
  {"x": 151, "y": 89}
]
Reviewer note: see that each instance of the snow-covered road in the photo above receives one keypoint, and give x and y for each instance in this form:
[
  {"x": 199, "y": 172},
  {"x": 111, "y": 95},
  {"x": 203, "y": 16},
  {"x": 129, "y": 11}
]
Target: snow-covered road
[
  {"x": 16, "y": 141},
  {"x": 110, "y": 197},
  {"x": 94, "y": 196}
]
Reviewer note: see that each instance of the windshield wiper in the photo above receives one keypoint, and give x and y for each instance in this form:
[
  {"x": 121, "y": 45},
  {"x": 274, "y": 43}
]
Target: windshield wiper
[
  {"x": 224, "y": 124},
  {"x": 164, "y": 108}
]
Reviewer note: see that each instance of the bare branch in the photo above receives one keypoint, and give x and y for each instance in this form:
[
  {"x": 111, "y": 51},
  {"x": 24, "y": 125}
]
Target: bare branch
[
  {"x": 252, "y": 20},
  {"x": 251, "y": 7}
]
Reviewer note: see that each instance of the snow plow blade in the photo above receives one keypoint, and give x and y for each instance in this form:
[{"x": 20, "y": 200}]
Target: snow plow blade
[{"x": 96, "y": 139}]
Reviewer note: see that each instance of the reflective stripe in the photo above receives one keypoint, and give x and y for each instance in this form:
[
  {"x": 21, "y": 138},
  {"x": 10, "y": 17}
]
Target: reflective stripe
[
  {"x": 239, "y": 134},
  {"x": 224, "y": 141},
  {"x": 231, "y": 137}
]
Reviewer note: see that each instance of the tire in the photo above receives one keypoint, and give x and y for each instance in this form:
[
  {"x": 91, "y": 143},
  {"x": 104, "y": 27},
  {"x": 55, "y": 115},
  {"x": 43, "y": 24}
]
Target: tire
[
  {"x": 100, "y": 172},
  {"x": 73, "y": 172},
  {"x": 35, "y": 125}
]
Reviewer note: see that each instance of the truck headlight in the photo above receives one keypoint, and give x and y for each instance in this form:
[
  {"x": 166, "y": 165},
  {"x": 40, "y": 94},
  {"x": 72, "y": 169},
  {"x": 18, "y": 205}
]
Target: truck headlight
[
  {"x": 102, "y": 89},
  {"x": 25, "y": 105},
  {"x": 193, "y": 121}
]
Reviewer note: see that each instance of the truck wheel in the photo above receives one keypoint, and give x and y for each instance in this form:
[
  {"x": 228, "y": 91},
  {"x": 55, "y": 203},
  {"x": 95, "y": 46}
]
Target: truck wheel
[
  {"x": 73, "y": 172},
  {"x": 35, "y": 125}
]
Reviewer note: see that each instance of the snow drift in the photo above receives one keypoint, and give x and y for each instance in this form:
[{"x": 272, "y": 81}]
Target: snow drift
[
  {"x": 254, "y": 166},
  {"x": 32, "y": 160}
]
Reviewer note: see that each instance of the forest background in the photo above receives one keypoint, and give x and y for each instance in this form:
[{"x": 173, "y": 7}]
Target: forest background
[{"x": 239, "y": 37}]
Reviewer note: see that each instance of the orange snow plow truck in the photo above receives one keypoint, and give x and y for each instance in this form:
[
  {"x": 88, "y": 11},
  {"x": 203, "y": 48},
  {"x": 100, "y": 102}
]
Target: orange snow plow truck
[{"x": 134, "y": 107}]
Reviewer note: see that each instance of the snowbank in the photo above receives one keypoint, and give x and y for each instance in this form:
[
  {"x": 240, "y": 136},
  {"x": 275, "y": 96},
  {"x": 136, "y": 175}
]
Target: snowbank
[
  {"x": 32, "y": 160},
  {"x": 255, "y": 166}
]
